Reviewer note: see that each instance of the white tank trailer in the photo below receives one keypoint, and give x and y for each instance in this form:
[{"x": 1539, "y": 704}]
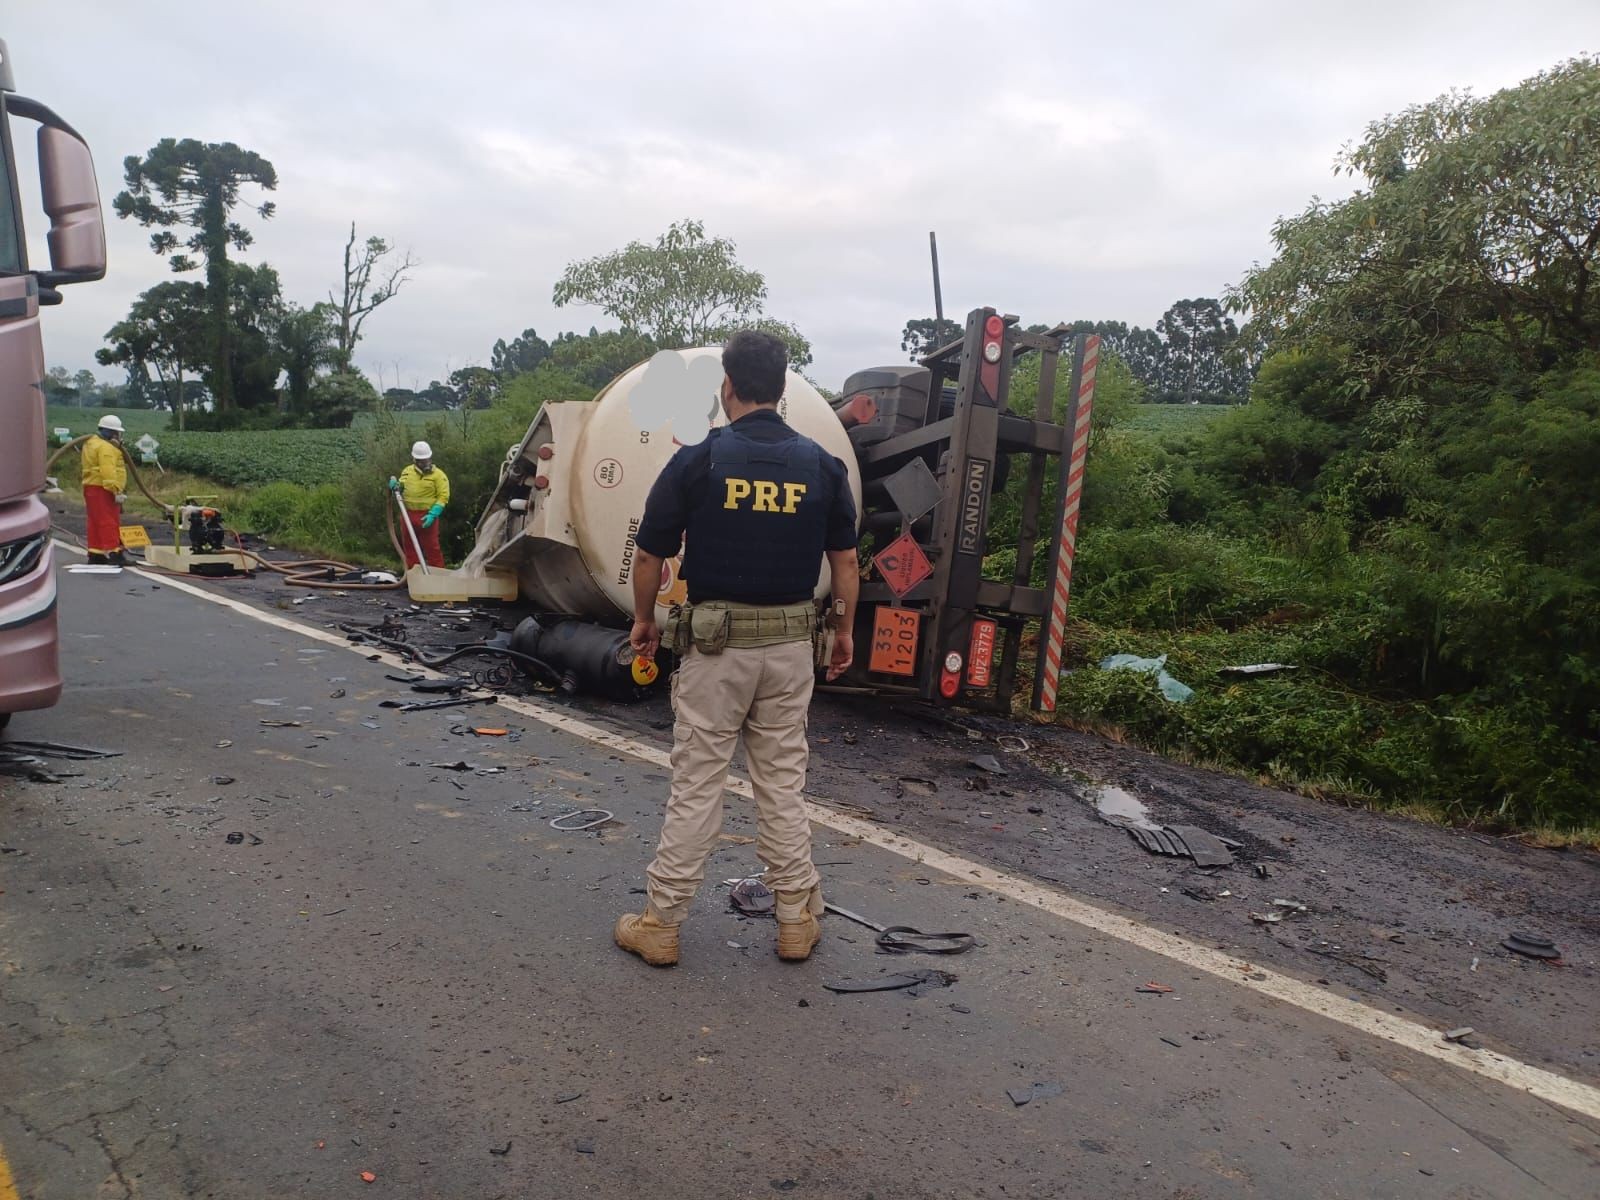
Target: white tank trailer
[
  {"x": 925, "y": 445},
  {"x": 571, "y": 495}
]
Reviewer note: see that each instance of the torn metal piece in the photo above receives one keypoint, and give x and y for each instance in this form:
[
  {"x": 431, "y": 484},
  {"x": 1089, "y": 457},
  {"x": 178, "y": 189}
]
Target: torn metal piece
[
  {"x": 1456, "y": 1035},
  {"x": 989, "y": 763},
  {"x": 1271, "y": 668},
  {"x": 1266, "y": 918},
  {"x": 1206, "y": 849}
]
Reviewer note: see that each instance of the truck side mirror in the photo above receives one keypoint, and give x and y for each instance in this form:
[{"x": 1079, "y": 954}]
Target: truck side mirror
[{"x": 77, "y": 236}]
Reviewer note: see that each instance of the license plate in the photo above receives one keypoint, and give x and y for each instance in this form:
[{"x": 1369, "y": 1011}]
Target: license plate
[
  {"x": 894, "y": 640},
  {"x": 980, "y": 655}
]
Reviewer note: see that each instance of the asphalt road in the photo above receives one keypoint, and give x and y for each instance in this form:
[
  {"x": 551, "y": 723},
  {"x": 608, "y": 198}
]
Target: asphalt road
[{"x": 402, "y": 970}]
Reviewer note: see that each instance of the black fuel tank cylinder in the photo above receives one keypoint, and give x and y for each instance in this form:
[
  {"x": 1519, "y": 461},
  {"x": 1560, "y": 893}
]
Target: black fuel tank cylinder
[{"x": 589, "y": 658}]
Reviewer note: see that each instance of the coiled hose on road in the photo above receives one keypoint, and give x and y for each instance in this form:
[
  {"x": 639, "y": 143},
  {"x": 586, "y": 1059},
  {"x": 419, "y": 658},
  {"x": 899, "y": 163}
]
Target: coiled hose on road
[{"x": 306, "y": 572}]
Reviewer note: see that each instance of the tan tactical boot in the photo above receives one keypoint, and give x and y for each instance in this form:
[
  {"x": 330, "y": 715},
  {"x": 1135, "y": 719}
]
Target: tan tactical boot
[
  {"x": 799, "y": 931},
  {"x": 654, "y": 941}
]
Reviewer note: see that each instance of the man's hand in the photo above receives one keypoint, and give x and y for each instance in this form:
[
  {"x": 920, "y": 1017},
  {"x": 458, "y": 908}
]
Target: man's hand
[
  {"x": 394, "y": 484},
  {"x": 844, "y": 653},
  {"x": 645, "y": 638},
  {"x": 122, "y": 498}
]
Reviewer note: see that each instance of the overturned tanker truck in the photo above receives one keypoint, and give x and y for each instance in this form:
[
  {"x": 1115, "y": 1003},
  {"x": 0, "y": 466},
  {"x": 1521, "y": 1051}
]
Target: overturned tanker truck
[{"x": 926, "y": 446}]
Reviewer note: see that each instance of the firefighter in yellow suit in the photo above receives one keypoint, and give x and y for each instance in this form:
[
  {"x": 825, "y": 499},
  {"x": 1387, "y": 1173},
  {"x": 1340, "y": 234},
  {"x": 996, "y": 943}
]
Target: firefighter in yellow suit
[
  {"x": 104, "y": 478},
  {"x": 424, "y": 490}
]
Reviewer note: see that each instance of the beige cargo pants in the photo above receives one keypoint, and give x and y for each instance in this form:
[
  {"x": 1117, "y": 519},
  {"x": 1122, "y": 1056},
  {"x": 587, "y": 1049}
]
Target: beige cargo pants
[{"x": 763, "y": 693}]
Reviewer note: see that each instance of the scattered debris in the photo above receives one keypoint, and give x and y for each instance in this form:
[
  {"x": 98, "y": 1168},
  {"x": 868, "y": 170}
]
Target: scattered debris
[
  {"x": 1012, "y": 744},
  {"x": 337, "y": 694},
  {"x": 1153, "y": 988},
  {"x": 1456, "y": 1035},
  {"x": 222, "y": 780},
  {"x": 989, "y": 763},
  {"x": 1178, "y": 693},
  {"x": 596, "y": 816},
  {"x": 1532, "y": 945},
  {"x": 568, "y": 1097},
  {"x": 490, "y": 732},
  {"x": 1173, "y": 1044},
  {"x": 1291, "y": 905},
  {"x": 237, "y": 839},
  {"x": 1183, "y": 841},
  {"x": 271, "y": 724},
  {"x": 56, "y": 750},
  {"x": 458, "y": 765},
  {"x": 584, "y": 1146},
  {"x": 502, "y": 1151},
  {"x": 752, "y": 898},
  {"x": 1262, "y": 871},
  {"x": 1028, "y": 1093},
  {"x": 1257, "y": 669},
  {"x": 368, "y": 1177},
  {"x": 902, "y": 939},
  {"x": 427, "y": 705},
  {"x": 1266, "y": 918},
  {"x": 918, "y": 979},
  {"x": 915, "y": 785}
]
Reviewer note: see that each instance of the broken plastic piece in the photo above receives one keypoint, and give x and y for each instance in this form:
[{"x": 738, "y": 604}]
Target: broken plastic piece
[
  {"x": 1267, "y": 918},
  {"x": 989, "y": 763},
  {"x": 1153, "y": 987},
  {"x": 889, "y": 983},
  {"x": 1532, "y": 945},
  {"x": 593, "y": 817},
  {"x": 1027, "y": 1093},
  {"x": 1455, "y": 1035},
  {"x": 752, "y": 898}
]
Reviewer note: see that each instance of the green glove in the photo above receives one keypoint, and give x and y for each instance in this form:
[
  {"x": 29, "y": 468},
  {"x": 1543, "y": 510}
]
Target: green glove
[
  {"x": 433, "y": 515},
  {"x": 394, "y": 484}
]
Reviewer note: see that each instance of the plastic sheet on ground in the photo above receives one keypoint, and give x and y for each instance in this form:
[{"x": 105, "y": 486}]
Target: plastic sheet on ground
[{"x": 1178, "y": 693}]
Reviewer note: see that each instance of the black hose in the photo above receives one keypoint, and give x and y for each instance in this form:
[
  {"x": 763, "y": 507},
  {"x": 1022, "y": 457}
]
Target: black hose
[{"x": 435, "y": 662}]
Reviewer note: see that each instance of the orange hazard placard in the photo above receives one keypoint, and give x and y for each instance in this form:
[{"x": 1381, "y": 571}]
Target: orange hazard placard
[
  {"x": 902, "y": 564},
  {"x": 894, "y": 640}
]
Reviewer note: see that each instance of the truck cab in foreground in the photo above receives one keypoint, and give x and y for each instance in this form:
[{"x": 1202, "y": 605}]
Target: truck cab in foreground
[{"x": 30, "y": 674}]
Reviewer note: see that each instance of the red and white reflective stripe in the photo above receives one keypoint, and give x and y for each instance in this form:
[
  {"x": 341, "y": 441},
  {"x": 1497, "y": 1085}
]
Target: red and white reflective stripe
[{"x": 1056, "y": 627}]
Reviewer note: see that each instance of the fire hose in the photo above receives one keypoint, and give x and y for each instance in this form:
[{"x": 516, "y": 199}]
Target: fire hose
[{"x": 311, "y": 572}]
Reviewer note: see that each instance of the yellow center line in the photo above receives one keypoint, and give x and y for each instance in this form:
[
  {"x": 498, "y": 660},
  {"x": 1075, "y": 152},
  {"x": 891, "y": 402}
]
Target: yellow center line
[{"x": 8, "y": 1189}]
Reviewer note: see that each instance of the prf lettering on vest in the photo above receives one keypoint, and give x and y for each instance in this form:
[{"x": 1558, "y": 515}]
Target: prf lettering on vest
[{"x": 762, "y": 495}]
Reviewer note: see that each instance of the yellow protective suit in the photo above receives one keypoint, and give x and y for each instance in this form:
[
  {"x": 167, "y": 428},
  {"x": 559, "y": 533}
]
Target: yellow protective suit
[
  {"x": 421, "y": 492},
  {"x": 103, "y": 465}
]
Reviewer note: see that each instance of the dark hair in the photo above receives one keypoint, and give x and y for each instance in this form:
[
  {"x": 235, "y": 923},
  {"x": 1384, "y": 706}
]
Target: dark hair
[{"x": 757, "y": 365}]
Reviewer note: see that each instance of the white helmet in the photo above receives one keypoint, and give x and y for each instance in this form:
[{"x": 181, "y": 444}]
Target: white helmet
[
  {"x": 421, "y": 450},
  {"x": 112, "y": 422}
]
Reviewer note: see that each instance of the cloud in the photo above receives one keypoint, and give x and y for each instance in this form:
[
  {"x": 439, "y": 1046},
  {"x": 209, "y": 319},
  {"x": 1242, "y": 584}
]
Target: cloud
[{"x": 1075, "y": 162}]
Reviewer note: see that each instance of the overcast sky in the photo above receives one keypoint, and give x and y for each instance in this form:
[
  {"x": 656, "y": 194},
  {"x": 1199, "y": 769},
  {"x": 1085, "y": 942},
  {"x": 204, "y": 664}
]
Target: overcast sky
[{"x": 1077, "y": 160}]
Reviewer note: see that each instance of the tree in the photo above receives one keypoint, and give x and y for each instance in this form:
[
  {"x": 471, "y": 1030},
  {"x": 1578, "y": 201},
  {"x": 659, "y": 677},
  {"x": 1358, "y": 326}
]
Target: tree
[
  {"x": 306, "y": 345},
  {"x": 524, "y": 353},
  {"x": 685, "y": 290},
  {"x": 360, "y": 294},
  {"x": 597, "y": 358},
  {"x": 1197, "y": 336},
  {"x": 475, "y": 387},
  {"x": 198, "y": 184},
  {"x": 338, "y": 396},
  {"x": 924, "y": 335},
  {"x": 87, "y": 385},
  {"x": 167, "y": 329},
  {"x": 1479, "y": 219}
]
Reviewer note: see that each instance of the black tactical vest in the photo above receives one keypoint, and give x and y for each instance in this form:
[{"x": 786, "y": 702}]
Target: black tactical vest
[{"x": 757, "y": 536}]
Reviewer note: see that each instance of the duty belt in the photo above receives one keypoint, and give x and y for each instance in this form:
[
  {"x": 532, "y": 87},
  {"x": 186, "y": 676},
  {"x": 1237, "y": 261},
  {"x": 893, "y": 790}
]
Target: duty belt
[{"x": 714, "y": 625}]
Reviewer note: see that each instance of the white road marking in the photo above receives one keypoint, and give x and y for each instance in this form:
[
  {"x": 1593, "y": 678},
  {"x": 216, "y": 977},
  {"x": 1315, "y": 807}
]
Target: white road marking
[{"x": 1546, "y": 1085}]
